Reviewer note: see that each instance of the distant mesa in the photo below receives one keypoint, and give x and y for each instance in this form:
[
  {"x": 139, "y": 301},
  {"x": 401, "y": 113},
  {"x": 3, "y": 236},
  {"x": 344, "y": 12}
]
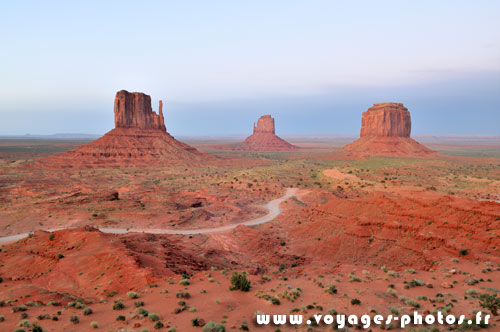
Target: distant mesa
[
  {"x": 139, "y": 138},
  {"x": 385, "y": 130},
  {"x": 263, "y": 138}
]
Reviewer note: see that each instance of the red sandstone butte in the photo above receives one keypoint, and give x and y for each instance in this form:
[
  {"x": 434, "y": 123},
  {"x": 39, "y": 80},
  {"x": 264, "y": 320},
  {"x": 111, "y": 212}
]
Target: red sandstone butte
[
  {"x": 139, "y": 138},
  {"x": 385, "y": 130},
  {"x": 133, "y": 110},
  {"x": 263, "y": 138}
]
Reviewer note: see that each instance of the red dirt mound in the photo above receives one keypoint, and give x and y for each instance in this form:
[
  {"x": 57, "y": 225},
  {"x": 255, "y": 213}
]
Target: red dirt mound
[
  {"x": 397, "y": 231},
  {"x": 81, "y": 262}
]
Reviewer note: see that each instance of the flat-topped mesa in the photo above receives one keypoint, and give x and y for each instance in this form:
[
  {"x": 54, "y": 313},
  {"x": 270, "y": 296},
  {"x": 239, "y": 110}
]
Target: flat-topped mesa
[
  {"x": 265, "y": 124},
  {"x": 385, "y": 131},
  {"x": 386, "y": 120},
  {"x": 133, "y": 110}
]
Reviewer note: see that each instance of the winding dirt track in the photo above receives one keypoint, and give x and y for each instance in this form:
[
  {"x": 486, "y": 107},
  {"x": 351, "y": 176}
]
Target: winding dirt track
[{"x": 273, "y": 208}]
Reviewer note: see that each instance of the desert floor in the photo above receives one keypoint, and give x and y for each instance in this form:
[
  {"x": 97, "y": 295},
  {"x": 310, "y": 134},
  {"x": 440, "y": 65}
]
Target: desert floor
[{"x": 397, "y": 234}]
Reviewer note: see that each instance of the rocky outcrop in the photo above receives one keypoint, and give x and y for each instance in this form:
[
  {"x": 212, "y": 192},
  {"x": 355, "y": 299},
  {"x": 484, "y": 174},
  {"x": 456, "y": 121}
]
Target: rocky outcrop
[
  {"x": 262, "y": 139},
  {"x": 265, "y": 125},
  {"x": 140, "y": 138},
  {"x": 133, "y": 110},
  {"x": 387, "y": 120},
  {"x": 385, "y": 131}
]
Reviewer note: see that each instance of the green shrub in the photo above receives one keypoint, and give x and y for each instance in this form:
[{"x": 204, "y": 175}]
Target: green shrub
[
  {"x": 74, "y": 319},
  {"x": 87, "y": 311},
  {"x": 94, "y": 325},
  {"x": 213, "y": 327},
  {"x": 24, "y": 323},
  {"x": 143, "y": 312},
  {"x": 490, "y": 302},
  {"x": 120, "y": 318},
  {"x": 183, "y": 295},
  {"x": 412, "y": 303},
  {"x": 239, "y": 281},
  {"x": 184, "y": 282},
  {"x": 18, "y": 308},
  {"x": 463, "y": 252},
  {"x": 158, "y": 325},
  {"x": 355, "y": 302},
  {"x": 275, "y": 300},
  {"x": 36, "y": 328},
  {"x": 118, "y": 305},
  {"x": 154, "y": 317},
  {"x": 331, "y": 289},
  {"x": 132, "y": 295}
]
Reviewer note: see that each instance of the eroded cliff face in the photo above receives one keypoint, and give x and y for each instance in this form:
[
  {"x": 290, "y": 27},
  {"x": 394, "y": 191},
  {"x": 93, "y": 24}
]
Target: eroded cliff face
[
  {"x": 265, "y": 124},
  {"x": 385, "y": 130},
  {"x": 133, "y": 110},
  {"x": 386, "y": 120}
]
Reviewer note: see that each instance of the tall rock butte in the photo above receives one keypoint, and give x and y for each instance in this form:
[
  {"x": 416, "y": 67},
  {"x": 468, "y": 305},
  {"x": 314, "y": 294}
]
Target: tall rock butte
[
  {"x": 385, "y": 130},
  {"x": 140, "y": 138},
  {"x": 263, "y": 138}
]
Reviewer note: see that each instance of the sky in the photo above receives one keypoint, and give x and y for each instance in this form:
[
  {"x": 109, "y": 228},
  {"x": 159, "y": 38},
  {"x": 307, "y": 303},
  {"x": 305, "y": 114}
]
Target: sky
[{"x": 315, "y": 66}]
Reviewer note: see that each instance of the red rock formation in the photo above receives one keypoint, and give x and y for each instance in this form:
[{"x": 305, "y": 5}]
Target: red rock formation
[
  {"x": 386, "y": 119},
  {"x": 262, "y": 139},
  {"x": 139, "y": 138},
  {"x": 265, "y": 125},
  {"x": 133, "y": 110},
  {"x": 385, "y": 130}
]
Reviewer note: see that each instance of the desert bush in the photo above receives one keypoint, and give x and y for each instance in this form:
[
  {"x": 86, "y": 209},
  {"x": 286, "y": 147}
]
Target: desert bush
[
  {"x": 490, "y": 302},
  {"x": 239, "y": 281},
  {"x": 120, "y": 318},
  {"x": 139, "y": 303},
  {"x": 36, "y": 328},
  {"x": 412, "y": 303},
  {"x": 355, "y": 301},
  {"x": 213, "y": 327},
  {"x": 274, "y": 300},
  {"x": 184, "y": 282},
  {"x": 118, "y": 305},
  {"x": 416, "y": 283},
  {"x": 74, "y": 319},
  {"x": 94, "y": 325},
  {"x": 158, "y": 325},
  {"x": 183, "y": 295},
  {"x": 18, "y": 308},
  {"x": 153, "y": 317},
  {"x": 24, "y": 323},
  {"x": 87, "y": 311},
  {"x": 132, "y": 295},
  {"x": 331, "y": 289},
  {"x": 142, "y": 311}
]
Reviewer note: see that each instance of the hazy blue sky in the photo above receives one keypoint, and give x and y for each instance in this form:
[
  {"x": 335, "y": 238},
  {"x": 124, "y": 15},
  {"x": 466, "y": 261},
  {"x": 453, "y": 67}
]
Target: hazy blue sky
[{"x": 218, "y": 65}]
